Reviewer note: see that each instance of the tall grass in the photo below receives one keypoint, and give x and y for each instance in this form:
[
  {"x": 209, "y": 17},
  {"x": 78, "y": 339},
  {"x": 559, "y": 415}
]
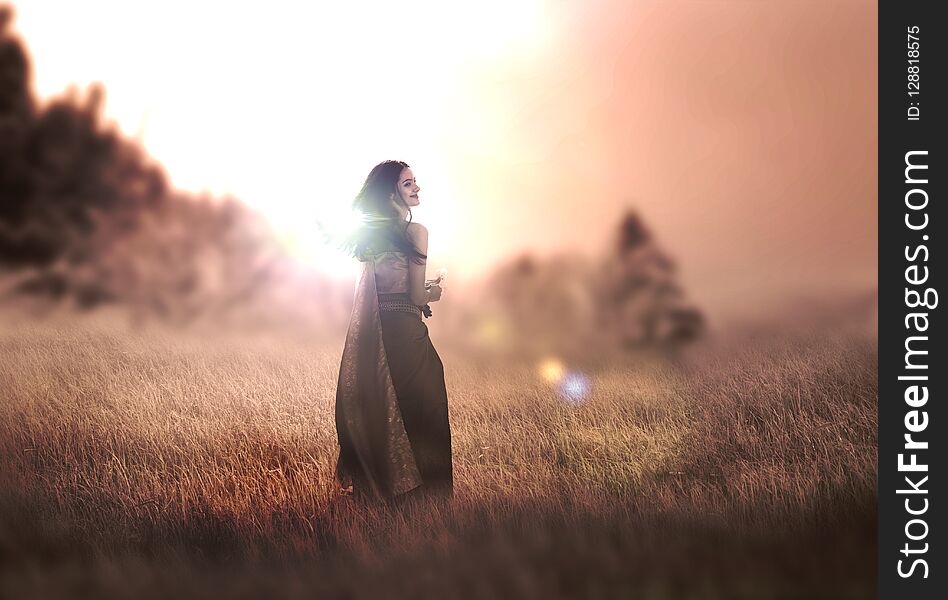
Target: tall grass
[{"x": 164, "y": 464}]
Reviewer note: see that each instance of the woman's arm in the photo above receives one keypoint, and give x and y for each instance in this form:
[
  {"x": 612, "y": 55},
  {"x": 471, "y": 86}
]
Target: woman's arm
[{"x": 418, "y": 234}]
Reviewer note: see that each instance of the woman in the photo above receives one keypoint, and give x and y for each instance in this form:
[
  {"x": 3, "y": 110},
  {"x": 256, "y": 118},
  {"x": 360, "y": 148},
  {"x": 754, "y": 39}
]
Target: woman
[{"x": 391, "y": 402}]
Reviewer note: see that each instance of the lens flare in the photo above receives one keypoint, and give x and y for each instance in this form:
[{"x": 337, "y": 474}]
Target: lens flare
[
  {"x": 575, "y": 388},
  {"x": 491, "y": 332},
  {"x": 552, "y": 370},
  {"x": 321, "y": 246},
  {"x": 339, "y": 225}
]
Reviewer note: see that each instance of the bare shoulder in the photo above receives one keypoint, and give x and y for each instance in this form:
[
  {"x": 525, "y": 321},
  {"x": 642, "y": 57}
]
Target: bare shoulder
[{"x": 417, "y": 231}]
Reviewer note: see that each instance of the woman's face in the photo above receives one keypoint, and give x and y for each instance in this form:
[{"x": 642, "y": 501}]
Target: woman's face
[{"x": 407, "y": 188}]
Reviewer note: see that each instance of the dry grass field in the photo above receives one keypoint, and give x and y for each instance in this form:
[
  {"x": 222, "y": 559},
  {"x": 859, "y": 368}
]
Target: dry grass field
[{"x": 151, "y": 464}]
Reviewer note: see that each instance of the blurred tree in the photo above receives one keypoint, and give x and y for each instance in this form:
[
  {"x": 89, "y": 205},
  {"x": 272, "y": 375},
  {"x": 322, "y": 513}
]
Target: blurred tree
[
  {"x": 566, "y": 305},
  {"x": 193, "y": 258},
  {"x": 547, "y": 303},
  {"x": 16, "y": 119},
  {"x": 61, "y": 171},
  {"x": 86, "y": 214},
  {"x": 640, "y": 301}
]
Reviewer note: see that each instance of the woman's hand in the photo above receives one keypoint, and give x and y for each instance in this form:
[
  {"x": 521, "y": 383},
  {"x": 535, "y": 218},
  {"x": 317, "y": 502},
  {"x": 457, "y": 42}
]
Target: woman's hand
[{"x": 434, "y": 293}]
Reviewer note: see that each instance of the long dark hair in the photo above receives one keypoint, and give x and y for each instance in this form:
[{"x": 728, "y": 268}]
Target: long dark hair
[{"x": 382, "y": 226}]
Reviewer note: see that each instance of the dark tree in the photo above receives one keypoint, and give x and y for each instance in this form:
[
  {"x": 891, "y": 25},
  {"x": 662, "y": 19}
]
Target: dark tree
[
  {"x": 86, "y": 214},
  {"x": 629, "y": 298}
]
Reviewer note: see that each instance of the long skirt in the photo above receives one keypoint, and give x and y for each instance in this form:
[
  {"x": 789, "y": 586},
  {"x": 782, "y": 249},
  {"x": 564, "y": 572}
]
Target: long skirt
[
  {"x": 418, "y": 376},
  {"x": 391, "y": 404}
]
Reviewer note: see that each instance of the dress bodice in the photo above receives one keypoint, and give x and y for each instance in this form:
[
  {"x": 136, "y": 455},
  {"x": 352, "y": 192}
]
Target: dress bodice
[{"x": 391, "y": 272}]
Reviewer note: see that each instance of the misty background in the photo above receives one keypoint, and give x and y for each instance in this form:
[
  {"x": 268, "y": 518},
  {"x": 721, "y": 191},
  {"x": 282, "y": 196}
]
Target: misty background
[{"x": 653, "y": 172}]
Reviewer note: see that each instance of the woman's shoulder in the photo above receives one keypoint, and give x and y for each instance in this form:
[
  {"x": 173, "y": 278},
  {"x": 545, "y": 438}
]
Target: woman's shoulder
[
  {"x": 417, "y": 232},
  {"x": 416, "y": 227}
]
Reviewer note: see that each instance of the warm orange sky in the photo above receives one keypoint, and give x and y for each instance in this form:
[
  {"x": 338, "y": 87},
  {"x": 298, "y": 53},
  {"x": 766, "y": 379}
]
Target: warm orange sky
[{"x": 744, "y": 131}]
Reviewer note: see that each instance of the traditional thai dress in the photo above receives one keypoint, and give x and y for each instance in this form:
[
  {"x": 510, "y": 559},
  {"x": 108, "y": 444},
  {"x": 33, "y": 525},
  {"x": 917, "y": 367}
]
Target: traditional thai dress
[{"x": 391, "y": 401}]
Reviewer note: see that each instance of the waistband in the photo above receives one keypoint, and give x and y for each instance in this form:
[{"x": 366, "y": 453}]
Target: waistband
[{"x": 399, "y": 306}]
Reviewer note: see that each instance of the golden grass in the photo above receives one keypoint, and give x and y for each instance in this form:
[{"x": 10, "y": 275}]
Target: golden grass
[{"x": 178, "y": 464}]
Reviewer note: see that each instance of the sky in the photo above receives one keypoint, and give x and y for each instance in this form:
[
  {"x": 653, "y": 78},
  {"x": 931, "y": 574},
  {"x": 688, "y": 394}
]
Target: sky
[{"x": 744, "y": 131}]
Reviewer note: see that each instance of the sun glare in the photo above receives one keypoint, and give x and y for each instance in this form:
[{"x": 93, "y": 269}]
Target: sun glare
[{"x": 288, "y": 107}]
